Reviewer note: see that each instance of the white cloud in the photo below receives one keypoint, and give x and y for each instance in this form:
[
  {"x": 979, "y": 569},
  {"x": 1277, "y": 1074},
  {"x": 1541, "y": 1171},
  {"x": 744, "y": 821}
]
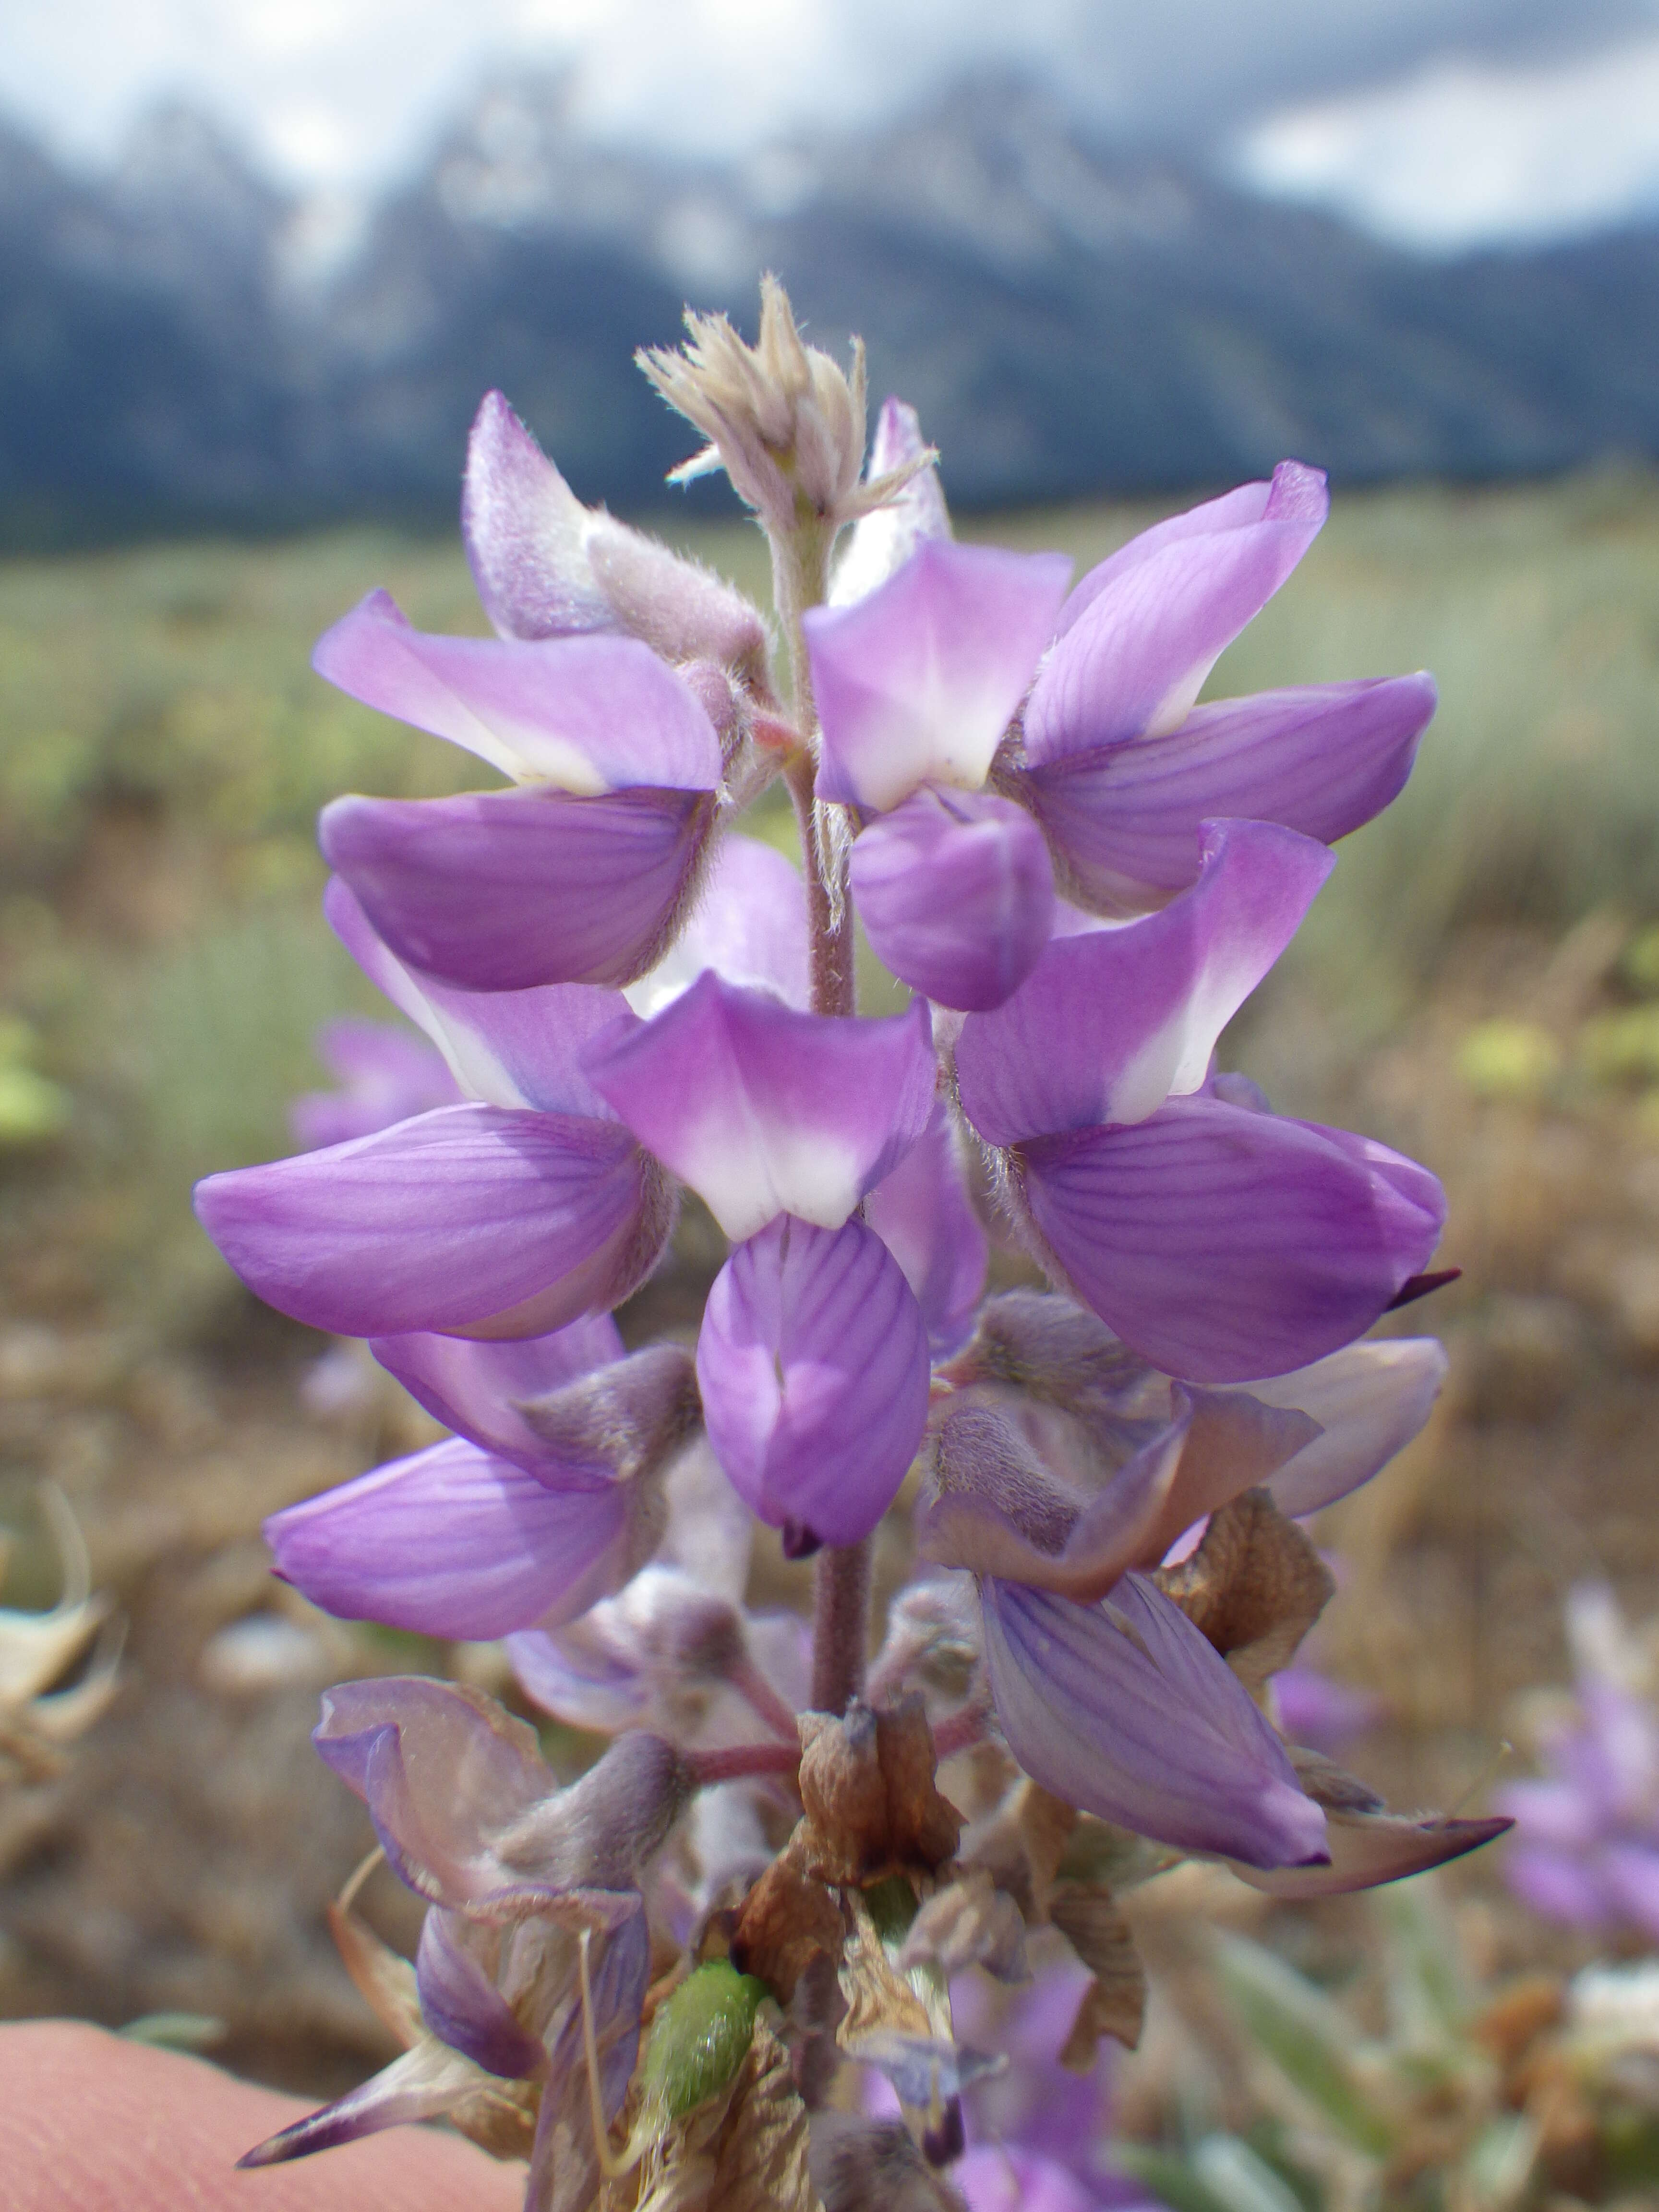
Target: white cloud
[{"x": 1461, "y": 156}]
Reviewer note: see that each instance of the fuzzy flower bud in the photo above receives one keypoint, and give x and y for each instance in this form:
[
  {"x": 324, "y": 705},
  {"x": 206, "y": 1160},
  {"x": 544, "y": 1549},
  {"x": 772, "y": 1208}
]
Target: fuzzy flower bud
[{"x": 784, "y": 421}]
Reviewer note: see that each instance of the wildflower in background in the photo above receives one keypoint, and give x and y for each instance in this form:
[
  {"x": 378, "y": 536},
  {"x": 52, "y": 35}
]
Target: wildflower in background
[
  {"x": 1586, "y": 1847},
  {"x": 634, "y": 1000},
  {"x": 384, "y": 1074}
]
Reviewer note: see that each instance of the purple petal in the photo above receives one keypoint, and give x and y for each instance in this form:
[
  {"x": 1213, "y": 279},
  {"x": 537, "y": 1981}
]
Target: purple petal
[
  {"x": 471, "y": 1218},
  {"x": 1141, "y": 632},
  {"x": 1326, "y": 1715},
  {"x": 585, "y": 714},
  {"x": 763, "y": 1111},
  {"x": 1112, "y": 1022},
  {"x": 1223, "y": 1245},
  {"x": 442, "y": 1769},
  {"x": 503, "y": 1048},
  {"x": 748, "y": 925},
  {"x": 1149, "y": 1729},
  {"x": 1371, "y": 1399},
  {"x": 386, "y": 1076},
  {"x": 476, "y": 1389},
  {"x": 1369, "y": 1848},
  {"x": 564, "y": 2171},
  {"x": 523, "y": 528},
  {"x": 581, "y": 1676},
  {"x": 1558, "y": 1884},
  {"x": 1125, "y": 817},
  {"x": 922, "y": 1214},
  {"x": 999, "y": 2178},
  {"x": 956, "y": 894},
  {"x": 463, "y": 2007},
  {"x": 453, "y": 1542},
  {"x": 423, "y": 2084},
  {"x": 501, "y": 890},
  {"x": 880, "y": 543},
  {"x": 917, "y": 682},
  {"x": 812, "y": 1363}
]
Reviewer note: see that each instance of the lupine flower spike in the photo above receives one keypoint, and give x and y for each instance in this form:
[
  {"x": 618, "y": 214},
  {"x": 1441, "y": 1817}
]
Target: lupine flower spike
[{"x": 662, "y": 1981}]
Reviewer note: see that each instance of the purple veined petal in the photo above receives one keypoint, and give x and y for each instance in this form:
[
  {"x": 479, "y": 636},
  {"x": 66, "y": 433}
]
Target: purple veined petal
[
  {"x": 503, "y": 890},
  {"x": 1369, "y": 1848},
  {"x": 763, "y": 1111},
  {"x": 1112, "y": 1022},
  {"x": 1150, "y": 1729},
  {"x": 1292, "y": 486},
  {"x": 523, "y": 529},
  {"x": 472, "y": 1219},
  {"x": 581, "y": 1676},
  {"x": 1141, "y": 632},
  {"x": 1369, "y": 1400},
  {"x": 1125, "y": 817},
  {"x": 749, "y": 925},
  {"x": 584, "y": 715},
  {"x": 476, "y": 1389},
  {"x": 455, "y": 1543},
  {"x": 1223, "y": 1245},
  {"x": 442, "y": 1769},
  {"x": 879, "y": 544},
  {"x": 463, "y": 2007},
  {"x": 502, "y": 1048},
  {"x": 917, "y": 682},
  {"x": 812, "y": 1362},
  {"x": 423, "y": 2084},
  {"x": 957, "y": 893},
  {"x": 385, "y": 1076},
  {"x": 922, "y": 1214}
]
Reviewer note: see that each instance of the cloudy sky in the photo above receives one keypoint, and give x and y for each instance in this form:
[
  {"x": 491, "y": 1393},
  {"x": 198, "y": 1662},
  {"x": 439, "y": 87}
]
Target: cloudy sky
[{"x": 1440, "y": 122}]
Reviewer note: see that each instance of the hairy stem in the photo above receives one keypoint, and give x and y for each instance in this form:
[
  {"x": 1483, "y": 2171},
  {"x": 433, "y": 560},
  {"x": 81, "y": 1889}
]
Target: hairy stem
[
  {"x": 800, "y": 578},
  {"x": 840, "y": 1627}
]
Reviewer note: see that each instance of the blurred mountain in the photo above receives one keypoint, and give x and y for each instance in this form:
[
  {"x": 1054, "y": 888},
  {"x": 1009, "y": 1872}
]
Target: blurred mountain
[{"x": 175, "y": 353}]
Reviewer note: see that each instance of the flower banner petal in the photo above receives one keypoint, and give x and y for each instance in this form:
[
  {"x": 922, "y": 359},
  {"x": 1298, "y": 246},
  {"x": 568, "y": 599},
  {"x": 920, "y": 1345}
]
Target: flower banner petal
[
  {"x": 1223, "y": 1245},
  {"x": 880, "y": 543},
  {"x": 522, "y": 526},
  {"x": 453, "y": 1542},
  {"x": 469, "y": 1216},
  {"x": 585, "y": 714},
  {"x": 1141, "y": 632},
  {"x": 1112, "y": 1022},
  {"x": 501, "y": 890},
  {"x": 1124, "y": 818},
  {"x": 812, "y": 1362},
  {"x": 917, "y": 681},
  {"x": 1136, "y": 1719},
  {"x": 957, "y": 893},
  {"x": 763, "y": 1111}
]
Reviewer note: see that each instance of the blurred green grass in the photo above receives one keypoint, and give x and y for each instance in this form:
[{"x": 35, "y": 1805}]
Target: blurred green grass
[{"x": 164, "y": 750}]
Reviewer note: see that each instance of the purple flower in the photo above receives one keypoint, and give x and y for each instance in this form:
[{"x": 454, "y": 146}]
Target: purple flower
[
  {"x": 1586, "y": 1850},
  {"x": 1221, "y": 1242},
  {"x": 385, "y": 1076}
]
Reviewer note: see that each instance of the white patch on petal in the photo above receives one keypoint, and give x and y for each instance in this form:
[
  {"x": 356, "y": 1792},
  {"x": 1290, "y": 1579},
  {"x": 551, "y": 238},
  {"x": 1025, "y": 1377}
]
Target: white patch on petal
[
  {"x": 748, "y": 1174},
  {"x": 1175, "y": 1060}
]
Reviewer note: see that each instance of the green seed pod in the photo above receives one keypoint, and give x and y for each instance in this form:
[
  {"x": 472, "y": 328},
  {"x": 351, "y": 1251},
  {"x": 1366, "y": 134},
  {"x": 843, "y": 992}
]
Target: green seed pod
[{"x": 698, "y": 2039}]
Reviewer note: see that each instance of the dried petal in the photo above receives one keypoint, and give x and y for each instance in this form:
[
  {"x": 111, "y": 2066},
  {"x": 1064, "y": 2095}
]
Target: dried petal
[{"x": 1255, "y": 1586}]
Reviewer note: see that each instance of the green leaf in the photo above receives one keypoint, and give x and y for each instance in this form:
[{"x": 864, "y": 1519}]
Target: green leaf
[
  {"x": 1427, "y": 1999},
  {"x": 1172, "y": 2177},
  {"x": 1312, "y": 2042},
  {"x": 698, "y": 2037}
]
